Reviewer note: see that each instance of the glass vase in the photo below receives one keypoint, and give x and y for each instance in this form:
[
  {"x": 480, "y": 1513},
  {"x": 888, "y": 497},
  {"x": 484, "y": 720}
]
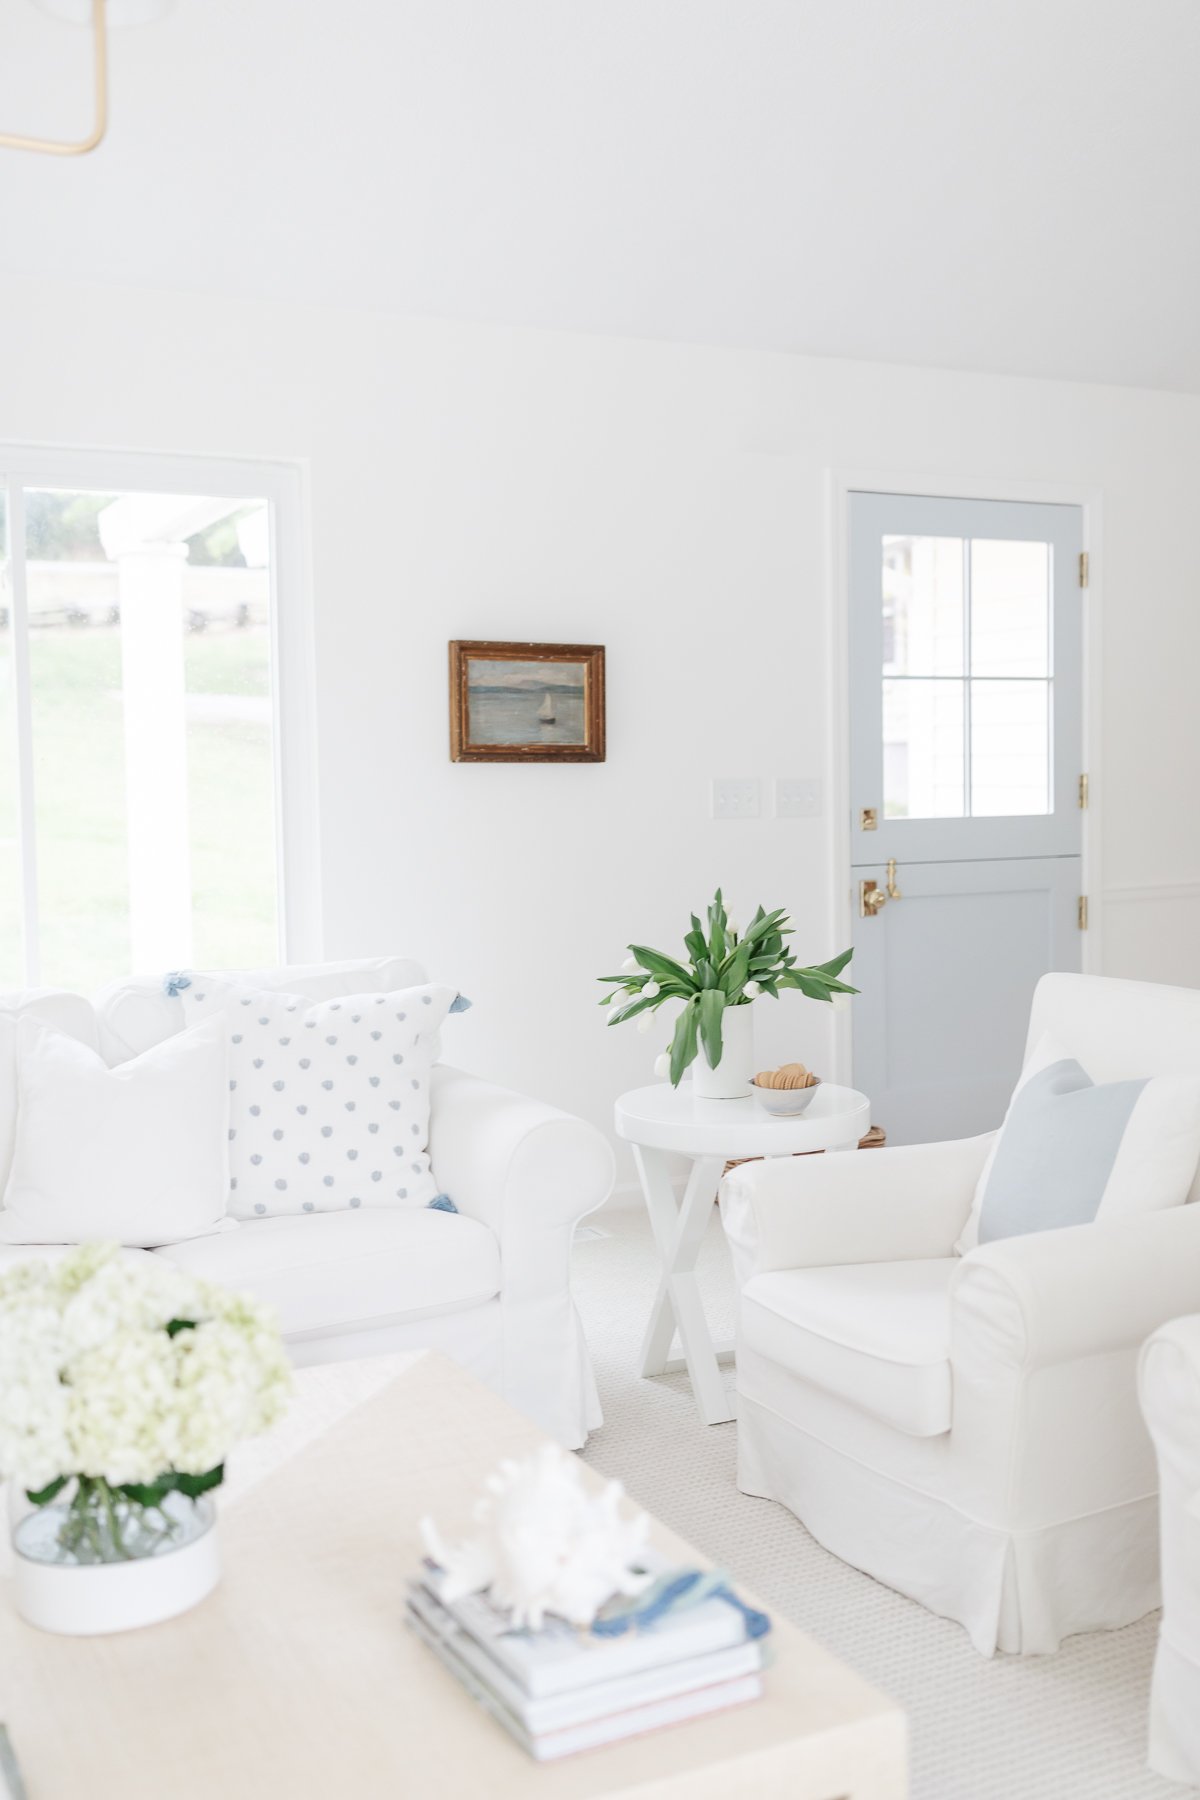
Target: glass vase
[{"x": 95, "y": 1561}]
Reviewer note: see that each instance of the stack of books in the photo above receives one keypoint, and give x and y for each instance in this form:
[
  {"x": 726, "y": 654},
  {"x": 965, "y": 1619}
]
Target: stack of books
[
  {"x": 560, "y": 1690},
  {"x": 11, "y": 1785}
]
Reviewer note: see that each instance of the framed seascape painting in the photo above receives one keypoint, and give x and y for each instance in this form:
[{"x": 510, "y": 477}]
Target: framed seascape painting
[{"x": 526, "y": 702}]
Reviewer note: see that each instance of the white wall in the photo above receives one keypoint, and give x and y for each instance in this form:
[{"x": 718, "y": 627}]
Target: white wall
[{"x": 668, "y": 502}]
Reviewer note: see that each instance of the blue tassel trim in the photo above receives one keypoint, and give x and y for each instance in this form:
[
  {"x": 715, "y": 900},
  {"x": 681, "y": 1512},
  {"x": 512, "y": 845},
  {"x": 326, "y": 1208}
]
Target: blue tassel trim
[
  {"x": 675, "y": 1593},
  {"x": 175, "y": 982},
  {"x": 442, "y": 1203},
  {"x": 460, "y": 1003}
]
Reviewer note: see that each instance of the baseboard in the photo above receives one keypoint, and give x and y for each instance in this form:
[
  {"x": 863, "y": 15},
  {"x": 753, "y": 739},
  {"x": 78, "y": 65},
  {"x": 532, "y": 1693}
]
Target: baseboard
[{"x": 625, "y": 1197}]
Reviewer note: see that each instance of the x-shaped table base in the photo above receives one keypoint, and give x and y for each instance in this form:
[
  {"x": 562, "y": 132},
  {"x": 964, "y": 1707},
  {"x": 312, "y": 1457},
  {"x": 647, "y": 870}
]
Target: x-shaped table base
[{"x": 679, "y": 1232}]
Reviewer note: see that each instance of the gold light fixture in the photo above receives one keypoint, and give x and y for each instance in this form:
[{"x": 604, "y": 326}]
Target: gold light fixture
[{"x": 10, "y": 140}]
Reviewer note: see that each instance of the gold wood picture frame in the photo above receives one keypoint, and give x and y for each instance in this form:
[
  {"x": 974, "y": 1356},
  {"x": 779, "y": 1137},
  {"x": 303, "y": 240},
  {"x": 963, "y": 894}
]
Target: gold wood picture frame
[{"x": 512, "y": 702}]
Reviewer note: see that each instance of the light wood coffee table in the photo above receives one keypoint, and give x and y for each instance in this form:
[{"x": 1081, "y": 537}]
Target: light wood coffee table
[{"x": 297, "y": 1678}]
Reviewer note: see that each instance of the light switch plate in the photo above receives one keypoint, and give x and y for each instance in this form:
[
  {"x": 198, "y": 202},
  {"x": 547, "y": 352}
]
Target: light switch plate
[
  {"x": 798, "y": 798},
  {"x": 736, "y": 797}
]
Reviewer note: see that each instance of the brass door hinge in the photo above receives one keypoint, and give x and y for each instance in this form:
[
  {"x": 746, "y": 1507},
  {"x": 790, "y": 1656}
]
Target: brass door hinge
[
  {"x": 1082, "y": 915},
  {"x": 1083, "y": 793},
  {"x": 1084, "y": 568}
]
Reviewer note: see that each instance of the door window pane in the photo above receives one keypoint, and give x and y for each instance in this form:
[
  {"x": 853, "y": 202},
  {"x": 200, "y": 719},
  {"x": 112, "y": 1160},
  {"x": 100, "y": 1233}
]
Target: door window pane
[
  {"x": 922, "y": 606},
  {"x": 923, "y": 760},
  {"x": 1010, "y": 608},
  {"x": 152, "y": 737},
  {"x": 12, "y": 970},
  {"x": 1010, "y": 747},
  {"x": 967, "y": 631}
]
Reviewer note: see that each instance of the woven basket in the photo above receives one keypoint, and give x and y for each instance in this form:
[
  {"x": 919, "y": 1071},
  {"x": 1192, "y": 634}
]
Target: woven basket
[{"x": 875, "y": 1139}]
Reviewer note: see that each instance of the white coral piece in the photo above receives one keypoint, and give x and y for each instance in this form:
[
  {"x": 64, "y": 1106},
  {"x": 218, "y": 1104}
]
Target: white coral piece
[{"x": 547, "y": 1543}]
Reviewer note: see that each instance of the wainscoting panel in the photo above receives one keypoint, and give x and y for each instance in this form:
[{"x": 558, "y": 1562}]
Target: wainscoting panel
[{"x": 1153, "y": 933}]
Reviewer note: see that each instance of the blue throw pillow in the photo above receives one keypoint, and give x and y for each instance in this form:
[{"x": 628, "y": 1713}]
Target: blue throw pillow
[{"x": 1071, "y": 1150}]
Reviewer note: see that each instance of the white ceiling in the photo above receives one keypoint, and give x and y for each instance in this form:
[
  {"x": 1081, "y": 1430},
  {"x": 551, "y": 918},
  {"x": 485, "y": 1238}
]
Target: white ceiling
[{"x": 991, "y": 184}]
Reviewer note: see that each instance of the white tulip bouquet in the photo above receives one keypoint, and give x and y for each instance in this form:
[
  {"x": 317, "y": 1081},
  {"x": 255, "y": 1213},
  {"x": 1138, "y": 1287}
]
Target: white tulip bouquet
[
  {"x": 725, "y": 967},
  {"x": 133, "y": 1381}
]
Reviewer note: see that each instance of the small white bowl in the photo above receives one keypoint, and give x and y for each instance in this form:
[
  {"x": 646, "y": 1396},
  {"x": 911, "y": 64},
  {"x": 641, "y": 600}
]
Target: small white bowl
[{"x": 785, "y": 1103}]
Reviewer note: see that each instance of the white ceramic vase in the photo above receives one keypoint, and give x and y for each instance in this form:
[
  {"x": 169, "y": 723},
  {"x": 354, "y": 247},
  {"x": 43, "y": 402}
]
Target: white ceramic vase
[
  {"x": 731, "y": 1078},
  {"x": 89, "y": 1599}
]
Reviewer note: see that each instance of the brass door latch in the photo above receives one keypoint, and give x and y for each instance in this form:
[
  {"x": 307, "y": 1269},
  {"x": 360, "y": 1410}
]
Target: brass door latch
[{"x": 870, "y": 898}]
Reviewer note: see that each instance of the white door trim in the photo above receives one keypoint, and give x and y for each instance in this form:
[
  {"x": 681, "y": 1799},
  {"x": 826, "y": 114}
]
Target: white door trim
[
  {"x": 284, "y": 484},
  {"x": 839, "y": 485}
]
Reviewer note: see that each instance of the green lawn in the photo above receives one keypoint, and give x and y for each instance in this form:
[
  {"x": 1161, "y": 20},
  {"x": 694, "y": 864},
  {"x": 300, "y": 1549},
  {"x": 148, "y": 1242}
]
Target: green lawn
[{"x": 79, "y": 773}]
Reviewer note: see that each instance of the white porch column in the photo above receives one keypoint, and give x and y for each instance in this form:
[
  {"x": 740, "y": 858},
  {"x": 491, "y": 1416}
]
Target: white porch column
[{"x": 160, "y": 893}]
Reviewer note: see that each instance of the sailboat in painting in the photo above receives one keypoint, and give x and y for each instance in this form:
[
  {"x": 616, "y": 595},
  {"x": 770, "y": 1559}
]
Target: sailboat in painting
[{"x": 546, "y": 712}]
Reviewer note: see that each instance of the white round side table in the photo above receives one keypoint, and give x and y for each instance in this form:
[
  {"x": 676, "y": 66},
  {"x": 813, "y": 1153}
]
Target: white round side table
[{"x": 661, "y": 1121}]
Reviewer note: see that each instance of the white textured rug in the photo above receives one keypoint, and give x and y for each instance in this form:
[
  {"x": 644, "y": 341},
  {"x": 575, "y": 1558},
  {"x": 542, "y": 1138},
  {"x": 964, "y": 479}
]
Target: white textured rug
[{"x": 1065, "y": 1727}]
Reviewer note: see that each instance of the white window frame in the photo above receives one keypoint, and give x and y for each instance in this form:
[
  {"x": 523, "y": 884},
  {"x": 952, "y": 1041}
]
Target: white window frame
[{"x": 282, "y": 485}]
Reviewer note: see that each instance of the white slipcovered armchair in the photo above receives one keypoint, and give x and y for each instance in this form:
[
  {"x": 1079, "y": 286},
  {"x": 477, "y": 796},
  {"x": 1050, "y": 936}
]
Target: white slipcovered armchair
[
  {"x": 1169, "y": 1379},
  {"x": 966, "y": 1429}
]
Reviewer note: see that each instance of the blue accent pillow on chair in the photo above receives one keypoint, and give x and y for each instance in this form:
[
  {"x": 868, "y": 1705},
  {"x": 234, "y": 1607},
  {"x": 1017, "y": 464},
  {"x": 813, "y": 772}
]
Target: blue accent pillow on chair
[{"x": 1071, "y": 1150}]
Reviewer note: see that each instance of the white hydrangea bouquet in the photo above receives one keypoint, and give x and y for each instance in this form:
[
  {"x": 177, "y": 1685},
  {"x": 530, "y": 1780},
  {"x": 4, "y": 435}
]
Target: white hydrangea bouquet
[{"x": 123, "y": 1387}]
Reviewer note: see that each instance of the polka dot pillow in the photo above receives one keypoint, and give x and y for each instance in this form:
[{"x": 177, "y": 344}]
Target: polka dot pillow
[{"x": 328, "y": 1100}]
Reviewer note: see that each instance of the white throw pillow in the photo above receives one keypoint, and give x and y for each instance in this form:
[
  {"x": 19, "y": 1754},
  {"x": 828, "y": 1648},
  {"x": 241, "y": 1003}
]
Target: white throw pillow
[
  {"x": 70, "y": 1013},
  {"x": 328, "y": 1101},
  {"x": 1071, "y": 1151},
  {"x": 135, "y": 1155},
  {"x": 139, "y": 1011}
]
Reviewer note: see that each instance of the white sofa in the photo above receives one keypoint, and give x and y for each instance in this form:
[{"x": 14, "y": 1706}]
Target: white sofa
[
  {"x": 967, "y": 1429},
  {"x": 488, "y": 1284},
  {"x": 1169, "y": 1382}
]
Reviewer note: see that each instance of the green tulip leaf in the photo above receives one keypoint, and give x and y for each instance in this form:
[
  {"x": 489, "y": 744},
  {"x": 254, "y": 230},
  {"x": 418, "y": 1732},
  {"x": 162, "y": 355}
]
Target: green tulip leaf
[
  {"x": 683, "y": 1044},
  {"x": 712, "y": 1008},
  {"x": 659, "y": 965},
  {"x": 632, "y": 1011}
]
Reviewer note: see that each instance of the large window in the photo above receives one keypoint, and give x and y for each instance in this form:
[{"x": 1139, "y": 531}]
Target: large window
[{"x": 139, "y": 799}]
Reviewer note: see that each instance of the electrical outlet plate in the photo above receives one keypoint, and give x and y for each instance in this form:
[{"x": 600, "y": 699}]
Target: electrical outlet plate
[
  {"x": 798, "y": 798},
  {"x": 736, "y": 797}
]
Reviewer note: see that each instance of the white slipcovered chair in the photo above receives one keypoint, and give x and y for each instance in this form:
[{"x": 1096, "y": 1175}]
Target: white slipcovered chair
[
  {"x": 966, "y": 1429},
  {"x": 1169, "y": 1380}
]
